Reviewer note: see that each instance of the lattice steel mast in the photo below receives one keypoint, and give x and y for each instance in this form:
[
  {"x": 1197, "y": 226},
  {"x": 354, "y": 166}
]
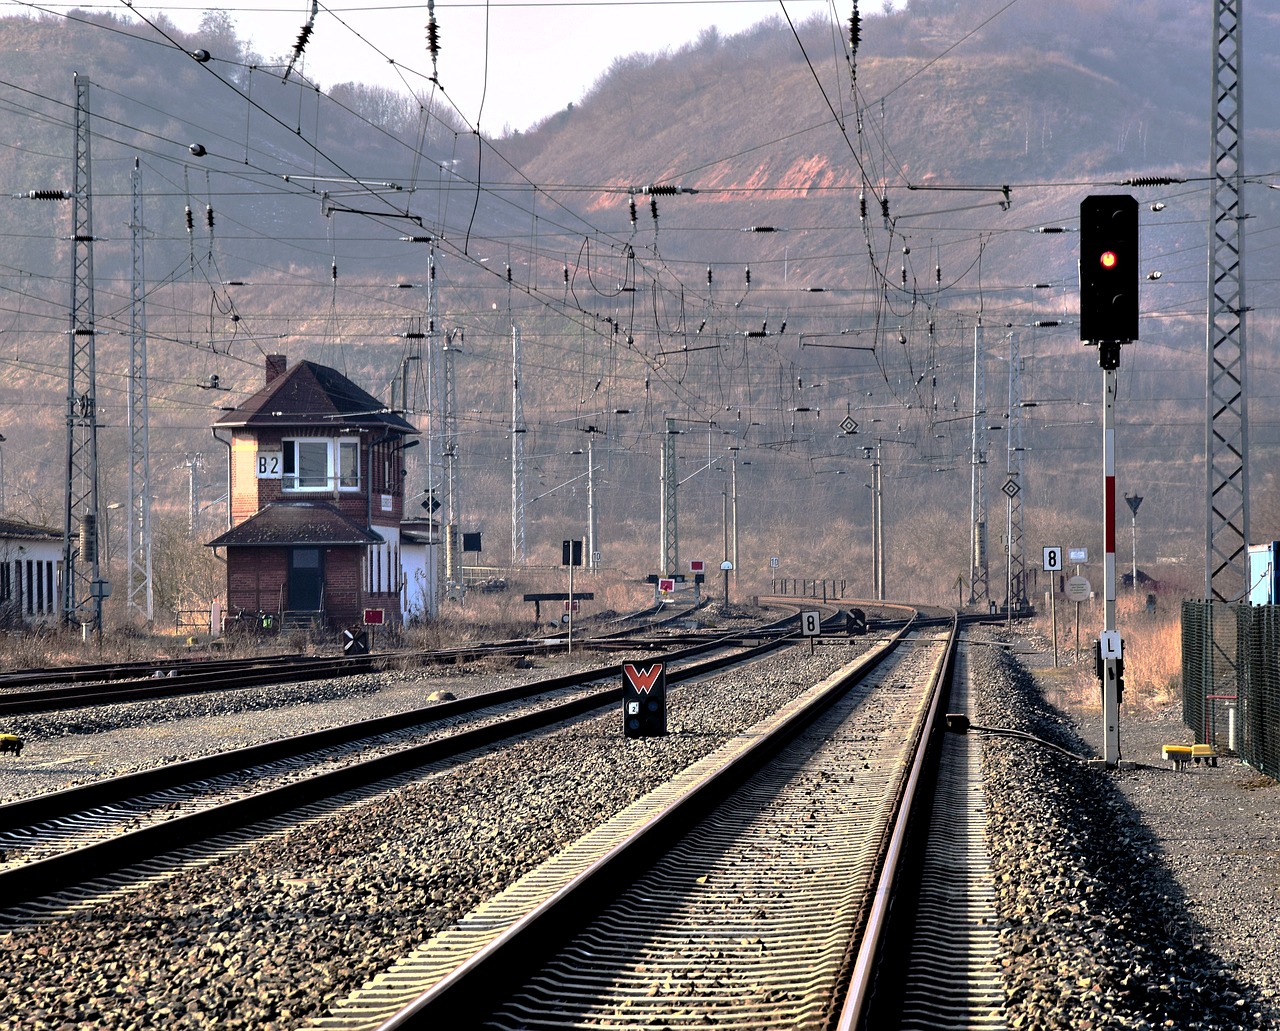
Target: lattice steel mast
[
  {"x": 670, "y": 543},
  {"x": 1015, "y": 482},
  {"x": 1226, "y": 430},
  {"x": 140, "y": 598},
  {"x": 979, "y": 584},
  {"x": 81, "y": 583},
  {"x": 518, "y": 554}
]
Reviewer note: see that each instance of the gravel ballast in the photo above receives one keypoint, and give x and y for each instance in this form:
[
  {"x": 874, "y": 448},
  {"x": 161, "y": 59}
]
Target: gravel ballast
[
  {"x": 1141, "y": 898},
  {"x": 270, "y": 935},
  {"x": 1133, "y": 898}
]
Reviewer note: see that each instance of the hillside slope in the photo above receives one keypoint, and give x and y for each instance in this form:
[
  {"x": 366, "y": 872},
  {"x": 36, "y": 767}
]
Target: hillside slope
[{"x": 726, "y": 240}]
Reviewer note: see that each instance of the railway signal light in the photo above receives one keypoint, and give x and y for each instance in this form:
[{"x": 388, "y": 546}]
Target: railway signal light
[{"x": 1109, "y": 268}]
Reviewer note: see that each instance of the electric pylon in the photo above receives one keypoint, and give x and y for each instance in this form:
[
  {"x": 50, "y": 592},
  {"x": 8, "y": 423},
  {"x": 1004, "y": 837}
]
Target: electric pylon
[
  {"x": 82, "y": 586},
  {"x": 140, "y": 598}
]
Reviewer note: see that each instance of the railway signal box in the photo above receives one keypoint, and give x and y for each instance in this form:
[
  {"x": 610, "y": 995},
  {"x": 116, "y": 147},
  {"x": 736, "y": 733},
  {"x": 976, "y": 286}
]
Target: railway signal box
[{"x": 644, "y": 699}]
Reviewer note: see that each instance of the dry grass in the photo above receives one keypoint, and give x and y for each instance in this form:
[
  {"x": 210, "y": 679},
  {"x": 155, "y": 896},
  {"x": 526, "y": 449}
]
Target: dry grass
[
  {"x": 480, "y": 617},
  {"x": 1152, "y": 652}
]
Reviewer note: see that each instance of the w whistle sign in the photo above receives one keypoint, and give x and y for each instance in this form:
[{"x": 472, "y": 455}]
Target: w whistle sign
[
  {"x": 644, "y": 700},
  {"x": 641, "y": 680}
]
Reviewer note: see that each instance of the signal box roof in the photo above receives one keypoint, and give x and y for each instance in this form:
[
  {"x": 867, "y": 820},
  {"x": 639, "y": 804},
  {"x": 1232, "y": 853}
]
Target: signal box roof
[
  {"x": 312, "y": 395},
  {"x": 296, "y": 523}
]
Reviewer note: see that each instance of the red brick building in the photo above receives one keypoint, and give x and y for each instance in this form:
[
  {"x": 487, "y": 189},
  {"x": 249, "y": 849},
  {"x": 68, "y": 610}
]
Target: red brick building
[{"x": 316, "y": 499}]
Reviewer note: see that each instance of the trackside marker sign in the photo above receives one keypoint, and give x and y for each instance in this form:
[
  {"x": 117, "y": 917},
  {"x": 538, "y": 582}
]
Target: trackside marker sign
[
  {"x": 642, "y": 680},
  {"x": 644, "y": 699}
]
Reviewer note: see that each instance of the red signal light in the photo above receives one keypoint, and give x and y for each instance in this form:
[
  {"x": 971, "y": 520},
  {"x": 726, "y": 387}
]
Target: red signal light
[{"x": 1109, "y": 268}]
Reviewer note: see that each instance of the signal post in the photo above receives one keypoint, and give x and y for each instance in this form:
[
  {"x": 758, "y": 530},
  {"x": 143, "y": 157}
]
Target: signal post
[{"x": 1108, "y": 319}]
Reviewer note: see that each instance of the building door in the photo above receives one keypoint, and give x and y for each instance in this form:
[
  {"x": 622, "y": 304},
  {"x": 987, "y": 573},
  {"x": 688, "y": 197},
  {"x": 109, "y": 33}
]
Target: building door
[{"x": 306, "y": 579}]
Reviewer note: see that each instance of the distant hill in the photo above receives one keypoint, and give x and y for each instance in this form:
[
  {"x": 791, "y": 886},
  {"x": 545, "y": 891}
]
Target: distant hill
[{"x": 726, "y": 236}]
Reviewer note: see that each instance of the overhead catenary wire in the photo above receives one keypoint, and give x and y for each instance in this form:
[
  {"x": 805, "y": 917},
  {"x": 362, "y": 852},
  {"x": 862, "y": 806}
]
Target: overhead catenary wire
[{"x": 596, "y": 315}]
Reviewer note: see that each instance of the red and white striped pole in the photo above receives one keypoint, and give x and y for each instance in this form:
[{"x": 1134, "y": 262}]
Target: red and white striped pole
[
  {"x": 1109, "y": 318},
  {"x": 1109, "y": 641}
]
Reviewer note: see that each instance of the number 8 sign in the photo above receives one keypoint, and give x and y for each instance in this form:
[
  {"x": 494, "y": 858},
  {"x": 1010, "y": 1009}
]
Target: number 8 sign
[{"x": 1052, "y": 560}]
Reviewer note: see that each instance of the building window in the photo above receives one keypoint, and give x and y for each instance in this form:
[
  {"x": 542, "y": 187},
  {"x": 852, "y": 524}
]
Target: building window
[
  {"x": 349, "y": 464},
  {"x": 321, "y": 464},
  {"x": 384, "y": 466}
]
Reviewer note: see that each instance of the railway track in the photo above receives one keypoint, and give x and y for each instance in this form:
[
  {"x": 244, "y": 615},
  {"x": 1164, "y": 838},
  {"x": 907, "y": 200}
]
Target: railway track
[
  {"x": 52, "y": 841},
  {"x": 146, "y": 883},
  {"x": 749, "y": 892},
  {"x": 78, "y": 686},
  {"x": 327, "y": 922},
  {"x": 941, "y": 967}
]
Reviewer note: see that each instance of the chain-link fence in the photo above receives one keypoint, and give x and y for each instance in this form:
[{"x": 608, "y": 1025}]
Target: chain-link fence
[
  {"x": 1259, "y": 637},
  {"x": 1231, "y": 680}
]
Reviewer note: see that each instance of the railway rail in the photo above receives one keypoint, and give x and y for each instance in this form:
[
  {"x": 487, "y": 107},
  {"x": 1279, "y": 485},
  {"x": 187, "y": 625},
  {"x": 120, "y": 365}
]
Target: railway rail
[
  {"x": 71, "y": 687},
  {"x": 328, "y": 920},
  {"x": 50, "y": 841},
  {"x": 78, "y": 686},
  {"x": 315, "y": 799},
  {"x": 750, "y": 892}
]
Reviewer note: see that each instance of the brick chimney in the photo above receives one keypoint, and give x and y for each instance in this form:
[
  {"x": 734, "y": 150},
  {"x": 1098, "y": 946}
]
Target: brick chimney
[{"x": 276, "y": 365}]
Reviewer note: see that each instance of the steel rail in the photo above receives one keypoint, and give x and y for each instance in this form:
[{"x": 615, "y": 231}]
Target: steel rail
[
  {"x": 23, "y": 883},
  {"x": 861, "y": 977},
  {"x": 222, "y": 676},
  {"x": 111, "y": 683},
  {"x": 520, "y": 948}
]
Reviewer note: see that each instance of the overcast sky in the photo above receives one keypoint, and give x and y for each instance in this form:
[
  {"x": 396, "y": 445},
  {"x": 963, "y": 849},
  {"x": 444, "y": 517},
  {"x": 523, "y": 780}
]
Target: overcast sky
[{"x": 540, "y": 55}]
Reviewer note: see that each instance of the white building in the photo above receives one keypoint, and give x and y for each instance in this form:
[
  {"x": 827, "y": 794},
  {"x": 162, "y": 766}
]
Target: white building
[
  {"x": 30, "y": 571},
  {"x": 419, "y": 564}
]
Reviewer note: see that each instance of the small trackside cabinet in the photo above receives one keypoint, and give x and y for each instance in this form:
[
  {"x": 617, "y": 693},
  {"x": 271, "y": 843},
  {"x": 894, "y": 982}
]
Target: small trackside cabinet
[
  {"x": 644, "y": 699},
  {"x": 1264, "y": 573}
]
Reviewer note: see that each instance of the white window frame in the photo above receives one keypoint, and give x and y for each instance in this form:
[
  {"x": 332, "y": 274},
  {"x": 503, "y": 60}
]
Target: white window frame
[{"x": 332, "y": 479}]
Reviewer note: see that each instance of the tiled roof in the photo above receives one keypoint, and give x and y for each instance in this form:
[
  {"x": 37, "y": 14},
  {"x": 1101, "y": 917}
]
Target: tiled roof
[
  {"x": 314, "y": 395},
  {"x": 16, "y": 529},
  {"x": 309, "y": 523}
]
